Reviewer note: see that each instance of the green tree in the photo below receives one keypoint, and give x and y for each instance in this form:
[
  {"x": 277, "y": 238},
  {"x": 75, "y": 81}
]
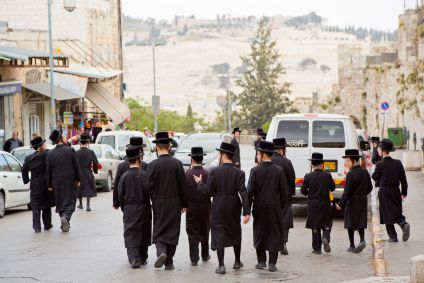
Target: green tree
[
  {"x": 263, "y": 94},
  {"x": 190, "y": 120}
]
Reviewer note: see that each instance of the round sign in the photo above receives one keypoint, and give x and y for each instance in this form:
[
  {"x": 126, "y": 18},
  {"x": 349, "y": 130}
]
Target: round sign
[{"x": 385, "y": 105}]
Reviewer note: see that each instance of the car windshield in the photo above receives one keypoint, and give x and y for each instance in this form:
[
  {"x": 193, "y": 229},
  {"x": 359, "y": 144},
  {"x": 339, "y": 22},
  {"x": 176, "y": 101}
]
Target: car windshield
[
  {"x": 209, "y": 144},
  {"x": 123, "y": 141},
  {"x": 21, "y": 154}
]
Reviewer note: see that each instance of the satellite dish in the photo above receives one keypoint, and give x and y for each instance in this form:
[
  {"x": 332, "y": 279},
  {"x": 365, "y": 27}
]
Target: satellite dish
[{"x": 221, "y": 100}]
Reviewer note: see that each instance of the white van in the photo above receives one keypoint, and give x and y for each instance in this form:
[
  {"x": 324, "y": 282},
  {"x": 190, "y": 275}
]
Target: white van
[{"x": 328, "y": 134}]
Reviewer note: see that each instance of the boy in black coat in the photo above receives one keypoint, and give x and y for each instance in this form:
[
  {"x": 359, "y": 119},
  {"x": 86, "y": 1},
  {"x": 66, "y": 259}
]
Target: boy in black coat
[
  {"x": 317, "y": 185},
  {"x": 354, "y": 200}
]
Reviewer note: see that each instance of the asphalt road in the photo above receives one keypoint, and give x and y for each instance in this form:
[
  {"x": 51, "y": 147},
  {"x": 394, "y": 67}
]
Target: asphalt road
[{"x": 93, "y": 251}]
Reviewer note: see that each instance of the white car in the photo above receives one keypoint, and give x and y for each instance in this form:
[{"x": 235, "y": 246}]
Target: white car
[{"x": 13, "y": 191}]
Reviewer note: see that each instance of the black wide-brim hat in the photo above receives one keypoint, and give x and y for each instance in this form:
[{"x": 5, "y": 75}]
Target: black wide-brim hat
[
  {"x": 85, "y": 138},
  {"x": 197, "y": 152},
  {"x": 227, "y": 148},
  {"x": 136, "y": 141},
  {"x": 279, "y": 143},
  {"x": 236, "y": 130},
  {"x": 259, "y": 130},
  {"x": 133, "y": 152},
  {"x": 162, "y": 138},
  {"x": 55, "y": 136},
  {"x": 316, "y": 156},
  {"x": 375, "y": 139},
  {"x": 266, "y": 146},
  {"x": 387, "y": 144},
  {"x": 351, "y": 153},
  {"x": 37, "y": 142}
]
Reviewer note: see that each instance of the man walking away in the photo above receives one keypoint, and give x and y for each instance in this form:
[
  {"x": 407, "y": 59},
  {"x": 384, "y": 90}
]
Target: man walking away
[
  {"x": 375, "y": 156},
  {"x": 256, "y": 143},
  {"x": 13, "y": 142},
  {"x": 235, "y": 142}
]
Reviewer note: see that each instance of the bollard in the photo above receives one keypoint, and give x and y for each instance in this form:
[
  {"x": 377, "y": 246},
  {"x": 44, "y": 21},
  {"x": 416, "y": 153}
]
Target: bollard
[{"x": 417, "y": 269}]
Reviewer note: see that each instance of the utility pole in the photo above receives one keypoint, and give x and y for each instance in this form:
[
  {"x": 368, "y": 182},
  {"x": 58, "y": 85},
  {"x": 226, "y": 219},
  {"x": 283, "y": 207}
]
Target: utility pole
[
  {"x": 229, "y": 110},
  {"x": 155, "y": 127},
  {"x": 52, "y": 101}
]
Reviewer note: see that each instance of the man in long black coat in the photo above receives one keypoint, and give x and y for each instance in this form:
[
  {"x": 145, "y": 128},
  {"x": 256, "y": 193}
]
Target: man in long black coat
[
  {"x": 375, "y": 157},
  {"x": 42, "y": 200},
  {"x": 267, "y": 190},
  {"x": 279, "y": 158},
  {"x": 198, "y": 210},
  {"x": 63, "y": 177},
  {"x": 259, "y": 133},
  {"x": 226, "y": 184},
  {"x": 355, "y": 199},
  {"x": 124, "y": 166},
  {"x": 389, "y": 173},
  {"x": 88, "y": 163},
  {"x": 135, "y": 204},
  {"x": 235, "y": 142},
  {"x": 317, "y": 185},
  {"x": 167, "y": 184}
]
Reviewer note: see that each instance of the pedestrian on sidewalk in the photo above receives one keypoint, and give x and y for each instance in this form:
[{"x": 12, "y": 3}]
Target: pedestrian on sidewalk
[
  {"x": 375, "y": 156},
  {"x": 42, "y": 200},
  {"x": 125, "y": 165},
  {"x": 134, "y": 198},
  {"x": 198, "y": 210},
  {"x": 167, "y": 186},
  {"x": 88, "y": 164},
  {"x": 267, "y": 190},
  {"x": 13, "y": 142},
  {"x": 226, "y": 184},
  {"x": 389, "y": 173},
  {"x": 63, "y": 177},
  {"x": 318, "y": 186},
  {"x": 355, "y": 199},
  {"x": 279, "y": 158},
  {"x": 256, "y": 143},
  {"x": 236, "y": 142}
]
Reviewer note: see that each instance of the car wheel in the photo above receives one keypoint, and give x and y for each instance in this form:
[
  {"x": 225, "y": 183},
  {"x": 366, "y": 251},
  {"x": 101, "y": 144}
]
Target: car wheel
[
  {"x": 109, "y": 183},
  {"x": 2, "y": 205}
]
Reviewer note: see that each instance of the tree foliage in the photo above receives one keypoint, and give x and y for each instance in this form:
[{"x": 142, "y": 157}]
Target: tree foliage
[{"x": 263, "y": 94}]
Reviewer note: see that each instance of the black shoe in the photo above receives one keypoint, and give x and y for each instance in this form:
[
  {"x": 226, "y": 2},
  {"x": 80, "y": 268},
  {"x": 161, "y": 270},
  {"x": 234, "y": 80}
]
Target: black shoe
[
  {"x": 260, "y": 265},
  {"x": 238, "y": 265},
  {"x": 135, "y": 265},
  {"x": 169, "y": 267},
  {"x": 317, "y": 252},
  {"x": 351, "y": 249},
  {"x": 326, "y": 245},
  {"x": 194, "y": 263},
  {"x": 272, "y": 267},
  {"x": 160, "y": 261},
  {"x": 284, "y": 251},
  {"x": 88, "y": 208},
  {"x": 64, "y": 224},
  {"x": 220, "y": 270},
  {"x": 80, "y": 206},
  {"x": 37, "y": 231},
  {"x": 47, "y": 228},
  {"x": 143, "y": 262},
  {"x": 406, "y": 232},
  {"x": 393, "y": 240},
  {"x": 206, "y": 259},
  {"x": 360, "y": 248}
]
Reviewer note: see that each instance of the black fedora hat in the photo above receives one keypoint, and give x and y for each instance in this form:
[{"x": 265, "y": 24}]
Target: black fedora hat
[
  {"x": 227, "y": 148},
  {"x": 136, "y": 141},
  {"x": 55, "y": 136},
  {"x": 85, "y": 137},
  {"x": 162, "y": 138},
  {"x": 37, "y": 142},
  {"x": 375, "y": 139},
  {"x": 387, "y": 144},
  {"x": 133, "y": 152},
  {"x": 266, "y": 146},
  {"x": 351, "y": 153},
  {"x": 316, "y": 156},
  {"x": 236, "y": 130},
  {"x": 197, "y": 151},
  {"x": 279, "y": 143}
]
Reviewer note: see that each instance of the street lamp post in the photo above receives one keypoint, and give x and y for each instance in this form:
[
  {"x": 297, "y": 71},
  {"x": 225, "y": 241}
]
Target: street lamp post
[{"x": 155, "y": 127}]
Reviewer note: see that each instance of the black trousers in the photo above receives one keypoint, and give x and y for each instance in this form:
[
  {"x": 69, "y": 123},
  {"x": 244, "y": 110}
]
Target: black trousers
[
  {"x": 221, "y": 252},
  {"x": 391, "y": 231},
  {"x": 273, "y": 256},
  {"x": 169, "y": 250},
  {"x": 317, "y": 238},
  {"x": 285, "y": 235},
  {"x": 46, "y": 214},
  {"x": 139, "y": 254},
  {"x": 194, "y": 250},
  {"x": 66, "y": 214}
]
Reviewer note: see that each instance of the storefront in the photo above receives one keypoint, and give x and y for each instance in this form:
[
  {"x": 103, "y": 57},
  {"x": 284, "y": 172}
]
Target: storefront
[{"x": 8, "y": 91}]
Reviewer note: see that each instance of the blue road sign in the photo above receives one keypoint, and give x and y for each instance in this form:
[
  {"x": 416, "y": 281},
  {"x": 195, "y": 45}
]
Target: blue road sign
[{"x": 385, "y": 105}]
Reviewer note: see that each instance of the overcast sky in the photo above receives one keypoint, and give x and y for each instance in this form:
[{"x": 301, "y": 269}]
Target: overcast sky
[{"x": 380, "y": 14}]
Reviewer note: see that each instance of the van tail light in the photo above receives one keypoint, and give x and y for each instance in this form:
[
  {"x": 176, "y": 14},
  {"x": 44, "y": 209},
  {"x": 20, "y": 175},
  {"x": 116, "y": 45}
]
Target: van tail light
[
  {"x": 99, "y": 166},
  {"x": 299, "y": 181},
  {"x": 341, "y": 182}
]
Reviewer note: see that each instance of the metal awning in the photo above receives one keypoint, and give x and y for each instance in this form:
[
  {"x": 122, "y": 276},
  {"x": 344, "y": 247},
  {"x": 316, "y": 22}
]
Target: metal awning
[
  {"x": 59, "y": 93},
  {"x": 108, "y": 103},
  {"x": 89, "y": 72},
  {"x": 17, "y": 53}
]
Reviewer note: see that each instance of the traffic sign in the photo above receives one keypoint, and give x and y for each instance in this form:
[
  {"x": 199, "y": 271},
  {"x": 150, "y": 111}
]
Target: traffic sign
[{"x": 385, "y": 105}]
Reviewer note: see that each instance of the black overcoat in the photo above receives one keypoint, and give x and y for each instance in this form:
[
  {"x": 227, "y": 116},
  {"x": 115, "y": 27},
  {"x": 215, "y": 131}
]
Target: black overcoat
[
  {"x": 288, "y": 171},
  {"x": 389, "y": 173},
  {"x": 317, "y": 185},
  {"x": 267, "y": 190},
  {"x": 88, "y": 164},
  {"x": 226, "y": 184},
  {"x": 375, "y": 156},
  {"x": 256, "y": 145},
  {"x": 199, "y": 207},
  {"x": 135, "y": 203},
  {"x": 62, "y": 172},
  {"x": 167, "y": 185},
  {"x": 236, "y": 157},
  {"x": 354, "y": 200},
  {"x": 41, "y": 197}
]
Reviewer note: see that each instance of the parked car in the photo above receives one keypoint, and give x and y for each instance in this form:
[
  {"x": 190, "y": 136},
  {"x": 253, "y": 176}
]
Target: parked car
[
  {"x": 209, "y": 141},
  {"x": 109, "y": 160},
  {"x": 120, "y": 139},
  {"x": 21, "y": 152},
  {"x": 13, "y": 191}
]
